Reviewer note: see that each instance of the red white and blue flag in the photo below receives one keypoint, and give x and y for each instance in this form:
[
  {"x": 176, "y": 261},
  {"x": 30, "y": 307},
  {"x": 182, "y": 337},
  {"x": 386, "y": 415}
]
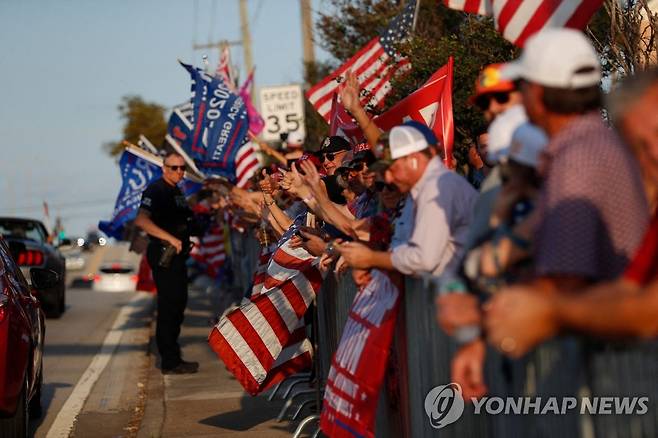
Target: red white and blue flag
[
  {"x": 210, "y": 251},
  {"x": 517, "y": 20},
  {"x": 264, "y": 340},
  {"x": 375, "y": 65}
]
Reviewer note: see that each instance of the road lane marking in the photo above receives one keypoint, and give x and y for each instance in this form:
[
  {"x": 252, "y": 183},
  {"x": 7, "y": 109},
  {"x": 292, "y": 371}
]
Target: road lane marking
[{"x": 63, "y": 424}]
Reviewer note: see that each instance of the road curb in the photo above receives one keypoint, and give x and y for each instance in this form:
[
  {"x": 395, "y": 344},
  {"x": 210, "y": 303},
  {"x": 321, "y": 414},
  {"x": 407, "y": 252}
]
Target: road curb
[{"x": 153, "y": 418}]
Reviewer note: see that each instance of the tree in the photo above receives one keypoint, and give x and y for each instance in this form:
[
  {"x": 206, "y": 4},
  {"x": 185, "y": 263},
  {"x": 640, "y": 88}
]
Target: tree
[
  {"x": 146, "y": 118},
  {"x": 625, "y": 33},
  {"x": 440, "y": 33}
]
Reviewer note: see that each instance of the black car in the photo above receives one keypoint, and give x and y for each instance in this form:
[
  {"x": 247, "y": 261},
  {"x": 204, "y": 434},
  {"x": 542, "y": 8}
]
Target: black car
[{"x": 34, "y": 251}]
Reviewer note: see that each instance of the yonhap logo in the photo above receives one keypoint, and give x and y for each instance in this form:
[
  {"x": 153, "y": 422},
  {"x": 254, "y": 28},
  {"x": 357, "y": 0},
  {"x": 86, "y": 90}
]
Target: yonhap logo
[{"x": 444, "y": 405}]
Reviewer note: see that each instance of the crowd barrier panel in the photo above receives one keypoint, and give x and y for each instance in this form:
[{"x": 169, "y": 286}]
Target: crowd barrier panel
[{"x": 421, "y": 360}]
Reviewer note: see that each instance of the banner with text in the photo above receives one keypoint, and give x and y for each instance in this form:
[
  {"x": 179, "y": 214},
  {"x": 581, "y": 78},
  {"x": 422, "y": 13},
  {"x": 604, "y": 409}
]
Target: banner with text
[
  {"x": 220, "y": 125},
  {"x": 357, "y": 369}
]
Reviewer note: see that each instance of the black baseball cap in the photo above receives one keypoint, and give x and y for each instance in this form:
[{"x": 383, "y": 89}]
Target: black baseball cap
[{"x": 335, "y": 143}]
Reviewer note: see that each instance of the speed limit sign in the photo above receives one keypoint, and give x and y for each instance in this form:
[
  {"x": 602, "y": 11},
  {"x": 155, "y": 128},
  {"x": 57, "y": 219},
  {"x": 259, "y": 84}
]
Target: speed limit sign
[{"x": 282, "y": 108}]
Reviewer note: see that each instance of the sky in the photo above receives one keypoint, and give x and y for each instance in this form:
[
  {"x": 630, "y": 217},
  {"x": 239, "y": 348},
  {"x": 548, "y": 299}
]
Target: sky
[{"x": 66, "y": 64}]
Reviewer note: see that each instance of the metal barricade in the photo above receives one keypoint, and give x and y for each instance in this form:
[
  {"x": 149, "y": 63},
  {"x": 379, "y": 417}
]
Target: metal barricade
[{"x": 421, "y": 360}]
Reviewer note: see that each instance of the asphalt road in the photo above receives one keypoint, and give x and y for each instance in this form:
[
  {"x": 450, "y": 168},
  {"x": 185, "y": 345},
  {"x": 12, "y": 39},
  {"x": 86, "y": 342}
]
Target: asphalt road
[{"x": 76, "y": 341}]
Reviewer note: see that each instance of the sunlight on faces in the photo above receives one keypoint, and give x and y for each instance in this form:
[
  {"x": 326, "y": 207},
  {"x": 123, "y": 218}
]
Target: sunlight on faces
[
  {"x": 330, "y": 166},
  {"x": 170, "y": 175},
  {"x": 403, "y": 173}
]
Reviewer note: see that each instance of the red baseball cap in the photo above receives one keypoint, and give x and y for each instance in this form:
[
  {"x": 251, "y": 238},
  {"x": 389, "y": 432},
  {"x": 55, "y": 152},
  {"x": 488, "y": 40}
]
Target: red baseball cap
[{"x": 490, "y": 80}]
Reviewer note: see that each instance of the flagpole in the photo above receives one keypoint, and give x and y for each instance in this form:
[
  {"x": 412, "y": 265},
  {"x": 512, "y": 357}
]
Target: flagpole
[
  {"x": 147, "y": 143},
  {"x": 154, "y": 159},
  {"x": 413, "y": 26}
]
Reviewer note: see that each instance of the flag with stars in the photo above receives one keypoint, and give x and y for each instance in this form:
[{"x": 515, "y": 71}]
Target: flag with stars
[{"x": 375, "y": 65}]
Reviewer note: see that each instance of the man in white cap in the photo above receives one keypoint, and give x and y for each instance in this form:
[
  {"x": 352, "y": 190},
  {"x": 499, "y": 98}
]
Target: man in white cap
[
  {"x": 443, "y": 203},
  {"x": 591, "y": 212}
]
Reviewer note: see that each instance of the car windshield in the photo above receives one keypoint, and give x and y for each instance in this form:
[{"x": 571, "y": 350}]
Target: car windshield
[{"x": 22, "y": 229}]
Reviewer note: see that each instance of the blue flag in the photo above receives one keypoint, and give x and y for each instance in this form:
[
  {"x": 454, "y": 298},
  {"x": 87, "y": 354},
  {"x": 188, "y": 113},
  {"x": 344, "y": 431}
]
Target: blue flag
[
  {"x": 180, "y": 127},
  {"x": 220, "y": 125},
  {"x": 136, "y": 175}
]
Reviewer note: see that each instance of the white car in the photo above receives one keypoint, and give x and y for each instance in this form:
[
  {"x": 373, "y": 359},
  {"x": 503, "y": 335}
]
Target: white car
[
  {"x": 115, "y": 277},
  {"x": 75, "y": 260}
]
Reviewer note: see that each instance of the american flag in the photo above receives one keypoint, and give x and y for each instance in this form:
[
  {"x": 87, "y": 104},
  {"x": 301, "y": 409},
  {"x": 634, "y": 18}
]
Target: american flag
[
  {"x": 210, "y": 251},
  {"x": 224, "y": 69},
  {"x": 264, "y": 340},
  {"x": 261, "y": 270},
  {"x": 246, "y": 164},
  {"x": 374, "y": 65},
  {"x": 517, "y": 20}
]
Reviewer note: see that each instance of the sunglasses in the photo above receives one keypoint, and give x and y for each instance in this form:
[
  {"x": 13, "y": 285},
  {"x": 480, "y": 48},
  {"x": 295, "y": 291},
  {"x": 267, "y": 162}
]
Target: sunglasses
[
  {"x": 176, "y": 168},
  {"x": 380, "y": 186},
  {"x": 331, "y": 156},
  {"x": 358, "y": 167},
  {"x": 484, "y": 100}
]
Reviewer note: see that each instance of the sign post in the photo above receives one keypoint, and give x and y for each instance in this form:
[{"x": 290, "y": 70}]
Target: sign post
[{"x": 282, "y": 108}]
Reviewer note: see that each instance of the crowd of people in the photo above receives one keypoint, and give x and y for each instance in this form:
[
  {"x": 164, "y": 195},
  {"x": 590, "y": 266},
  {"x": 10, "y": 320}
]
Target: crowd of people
[{"x": 550, "y": 235}]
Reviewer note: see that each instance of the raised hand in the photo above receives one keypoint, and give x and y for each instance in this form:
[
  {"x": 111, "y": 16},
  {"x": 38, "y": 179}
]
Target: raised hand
[{"x": 349, "y": 92}]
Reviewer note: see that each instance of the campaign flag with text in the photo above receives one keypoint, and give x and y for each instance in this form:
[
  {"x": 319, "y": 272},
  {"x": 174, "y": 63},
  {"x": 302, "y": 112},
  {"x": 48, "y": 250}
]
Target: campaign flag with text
[
  {"x": 220, "y": 125},
  {"x": 136, "y": 174},
  {"x": 358, "y": 366},
  {"x": 518, "y": 20},
  {"x": 375, "y": 65},
  {"x": 431, "y": 104},
  {"x": 180, "y": 125}
]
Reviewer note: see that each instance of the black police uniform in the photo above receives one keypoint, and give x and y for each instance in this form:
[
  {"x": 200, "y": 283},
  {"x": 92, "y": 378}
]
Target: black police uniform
[{"x": 168, "y": 210}]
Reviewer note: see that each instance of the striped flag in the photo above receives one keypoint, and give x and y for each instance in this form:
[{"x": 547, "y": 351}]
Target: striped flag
[
  {"x": 246, "y": 164},
  {"x": 264, "y": 340},
  {"x": 210, "y": 251},
  {"x": 261, "y": 270},
  {"x": 517, "y": 20},
  {"x": 224, "y": 69},
  {"x": 375, "y": 64}
]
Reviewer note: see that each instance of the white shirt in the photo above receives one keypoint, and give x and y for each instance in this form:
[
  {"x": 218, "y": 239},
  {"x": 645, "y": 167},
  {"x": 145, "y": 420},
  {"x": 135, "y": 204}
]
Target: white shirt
[{"x": 443, "y": 204}]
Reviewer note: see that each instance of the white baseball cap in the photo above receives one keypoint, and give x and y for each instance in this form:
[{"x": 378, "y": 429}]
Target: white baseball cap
[
  {"x": 295, "y": 139},
  {"x": 528, "y": 142},
  {"x": 557, "y": 57},
  {"x": 501, "y": 131},
  {"x": 405, "y": 140}
]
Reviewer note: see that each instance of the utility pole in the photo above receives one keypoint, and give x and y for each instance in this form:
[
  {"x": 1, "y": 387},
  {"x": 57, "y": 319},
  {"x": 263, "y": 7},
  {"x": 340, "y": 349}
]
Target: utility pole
[
  {"x": 219, "y": 45},
  {"x": 307, "y": 32},
  {"x": 246, "y": 39}
]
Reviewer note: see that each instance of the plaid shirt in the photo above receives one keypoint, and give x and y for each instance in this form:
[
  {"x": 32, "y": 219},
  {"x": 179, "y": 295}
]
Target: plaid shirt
[{"x": 592, "y": 207}]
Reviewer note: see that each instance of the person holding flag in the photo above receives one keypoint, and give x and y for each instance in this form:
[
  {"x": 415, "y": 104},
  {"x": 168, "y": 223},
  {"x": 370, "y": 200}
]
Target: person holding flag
[{"x": 165, "y": 215}]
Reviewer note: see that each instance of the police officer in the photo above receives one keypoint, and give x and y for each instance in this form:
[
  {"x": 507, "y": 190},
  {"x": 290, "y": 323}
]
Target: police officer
[{"x": 164, "y": 215}]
